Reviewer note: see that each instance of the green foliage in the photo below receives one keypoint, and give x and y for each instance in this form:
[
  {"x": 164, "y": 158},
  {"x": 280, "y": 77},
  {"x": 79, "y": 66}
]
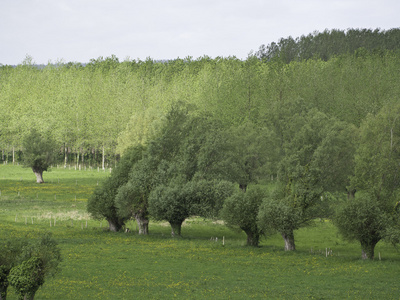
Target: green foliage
[
  {"x": 24, "y": 265},
  {"x": 102, "y": 203},
  {"x": 113, "y": 105},
  {"x": 330, "y": 43},
  {"x": 27, "y": 277},
  {"x": 372, "y": 216},
  {"x": 206, "y": 197},
  {"x": 131, "y": 199},
  {"x": 9, "y": 257},
  {"x": 316, "y": 159},
  {"x": 39, "y": 152},
  {"x": 243, "y": 154},
  {"x": 241, "y": 210},
  {"x": 278, "y": 215},
  {"x": 378, "y": 156},
  {"x": 363, "y": 220},
  {"x": 46, "y": 249},
  {"x": 178, "y": 185},
  {"x": 335, "y": 156},
  {"x": 176, "y": 202},
  {"x": 169, "y": 203}
]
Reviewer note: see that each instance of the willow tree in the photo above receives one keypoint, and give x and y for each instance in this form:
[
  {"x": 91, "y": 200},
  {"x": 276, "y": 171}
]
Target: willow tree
[
  {"x": 184, "y": 188},
  {"x": 132, "y": 197},
  {"x": 39, "y": 153},
  {"x": 102, "y": 203},
  {"x": 373, "y": 214},
  {"x": 305, "y": 173},
  {"x": 241, "y": 210},
  {"x": 40, "y": 259}
]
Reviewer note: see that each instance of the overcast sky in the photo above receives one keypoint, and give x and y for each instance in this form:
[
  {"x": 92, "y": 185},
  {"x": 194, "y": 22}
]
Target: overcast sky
[{"x": 79, "y": 30}]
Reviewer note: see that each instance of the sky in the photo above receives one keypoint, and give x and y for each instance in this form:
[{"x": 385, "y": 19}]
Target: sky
[{"x": 51, "y": 31}]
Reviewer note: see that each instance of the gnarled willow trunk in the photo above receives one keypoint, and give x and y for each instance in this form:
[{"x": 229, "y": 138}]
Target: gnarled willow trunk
[
  {"x": 114, "y": 225},
  {"x": 29, "y": 297},
  {"x": 253, "y": 238},
  {"x": 289, "y": 241},
  {"x": 368, "y": 249},
  {"x": 176, "y": 228},
  {"x": 39, "y": 175},
  {"x": 143, "y": 223}
]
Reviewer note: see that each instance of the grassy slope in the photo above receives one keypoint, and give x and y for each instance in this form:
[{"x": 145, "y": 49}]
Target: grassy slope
[{"x": 102, "y": 265}]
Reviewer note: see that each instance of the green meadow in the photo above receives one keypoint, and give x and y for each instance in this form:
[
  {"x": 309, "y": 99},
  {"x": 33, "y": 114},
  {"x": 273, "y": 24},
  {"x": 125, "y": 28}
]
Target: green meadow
[{"x": 209, "y": 261}]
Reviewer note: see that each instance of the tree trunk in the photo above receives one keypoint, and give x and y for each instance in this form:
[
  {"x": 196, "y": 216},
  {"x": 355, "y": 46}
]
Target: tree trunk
[
  {"x": 39, "y": 175},
  {"x": 351, "y": 194},
  {"x": 368, "y": 250},
  {"x": 176, "y": 228},
  {"x": 65, "y": 155},
  {"x": 253, "y": 238},
  {"x": 243, "y": 187},
  {"x": 114, "y": 225},
  {"x": 289, "y": 241},
  {"x": 103, "y": 159},
  {"x": 143, "y": 224},
  {"x": 3, "y": 289},
  {"x": 13, "y": 155},
  {"x": 29, "y": 297}
]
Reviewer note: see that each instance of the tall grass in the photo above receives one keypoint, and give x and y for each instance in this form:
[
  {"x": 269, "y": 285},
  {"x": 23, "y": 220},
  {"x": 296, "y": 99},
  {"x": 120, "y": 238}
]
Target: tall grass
[{"x": 98, "y": 264}]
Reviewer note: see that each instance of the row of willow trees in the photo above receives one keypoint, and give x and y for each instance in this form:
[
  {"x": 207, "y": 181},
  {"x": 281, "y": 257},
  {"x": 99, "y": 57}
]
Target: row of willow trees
[
  {"x": 105, "y": 106},
  {"x": 321, "y": 167}
]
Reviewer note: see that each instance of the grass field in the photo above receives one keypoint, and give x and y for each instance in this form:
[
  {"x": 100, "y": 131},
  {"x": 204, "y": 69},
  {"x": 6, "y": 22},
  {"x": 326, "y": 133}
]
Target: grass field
[{"x": 101, "y": 265}]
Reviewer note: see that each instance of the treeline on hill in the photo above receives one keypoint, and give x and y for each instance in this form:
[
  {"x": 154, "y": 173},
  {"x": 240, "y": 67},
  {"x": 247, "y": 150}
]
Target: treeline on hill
[{"x": 325, "y": 45}]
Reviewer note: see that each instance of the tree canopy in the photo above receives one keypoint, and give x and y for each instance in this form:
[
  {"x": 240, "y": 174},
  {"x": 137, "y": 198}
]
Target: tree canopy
[{"x": 39, "y": 153}]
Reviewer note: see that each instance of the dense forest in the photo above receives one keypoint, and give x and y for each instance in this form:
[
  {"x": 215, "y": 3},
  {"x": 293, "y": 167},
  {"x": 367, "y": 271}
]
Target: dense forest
[
  {"x": 97, "y": 110},
  {"x": 318, "y": 116}
]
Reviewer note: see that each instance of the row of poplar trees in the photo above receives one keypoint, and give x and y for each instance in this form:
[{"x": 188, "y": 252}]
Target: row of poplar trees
[{"x": 101, "y": 106}]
